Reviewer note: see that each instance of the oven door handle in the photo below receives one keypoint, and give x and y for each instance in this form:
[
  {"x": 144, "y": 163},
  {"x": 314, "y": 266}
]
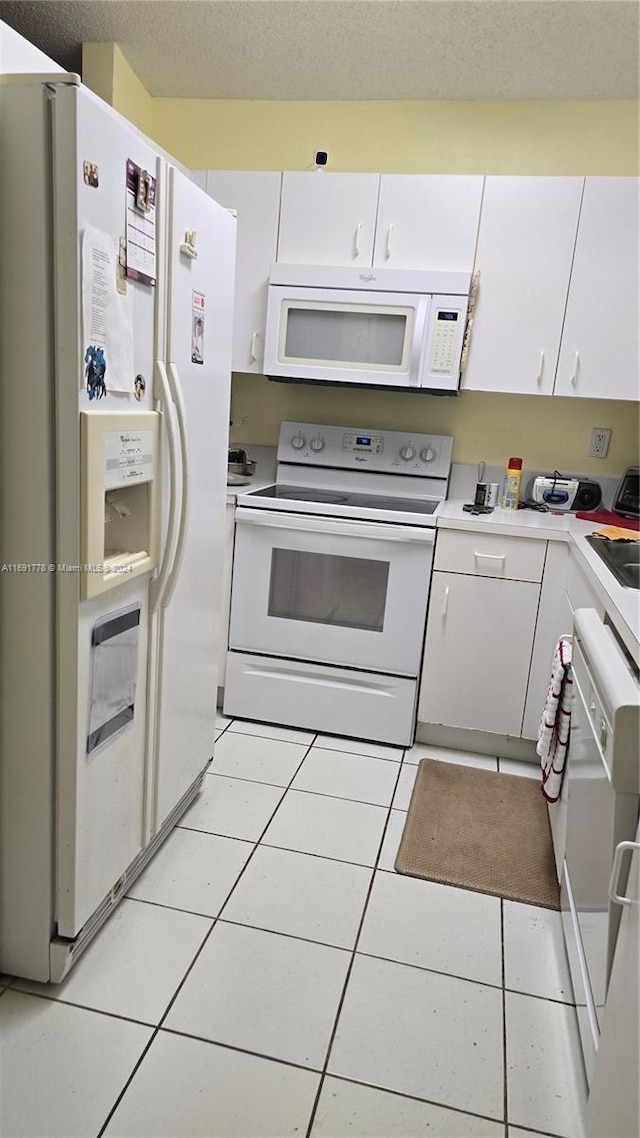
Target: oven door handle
[{"x": 348, "y": 528}]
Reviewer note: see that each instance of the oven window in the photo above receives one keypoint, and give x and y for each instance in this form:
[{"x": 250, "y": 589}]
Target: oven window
[
  {"x": 349, "y": 592},
  {"x": 347, "y": 336}
]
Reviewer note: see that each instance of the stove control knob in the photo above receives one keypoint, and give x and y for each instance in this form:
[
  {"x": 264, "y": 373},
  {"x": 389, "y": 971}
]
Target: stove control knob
[
  {"x": 298, "y": 441},
  {"x": 428, "y": 454},
  {"x": 407, "y": 452},
  {"x": 317, "y": 443}
]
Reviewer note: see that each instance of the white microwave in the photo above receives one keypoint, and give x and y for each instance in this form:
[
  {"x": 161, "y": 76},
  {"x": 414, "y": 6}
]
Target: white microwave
[{"x": 393, "y": 328}]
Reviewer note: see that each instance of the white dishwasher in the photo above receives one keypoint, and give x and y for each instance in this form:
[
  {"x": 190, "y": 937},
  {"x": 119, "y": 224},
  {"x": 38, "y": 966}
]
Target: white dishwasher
[{"x": 602, "y": 797}]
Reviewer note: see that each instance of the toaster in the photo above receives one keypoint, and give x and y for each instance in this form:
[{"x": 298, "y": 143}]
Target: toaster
[{"x": 560, "y": 493}]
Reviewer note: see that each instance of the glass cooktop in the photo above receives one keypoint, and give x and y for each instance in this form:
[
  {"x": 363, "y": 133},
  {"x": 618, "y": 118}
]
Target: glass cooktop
[{"x": 346, "y": 498}]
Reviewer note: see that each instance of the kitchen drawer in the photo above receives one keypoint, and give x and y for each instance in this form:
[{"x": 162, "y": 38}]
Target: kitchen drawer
[{"x": 490, "y": 555}]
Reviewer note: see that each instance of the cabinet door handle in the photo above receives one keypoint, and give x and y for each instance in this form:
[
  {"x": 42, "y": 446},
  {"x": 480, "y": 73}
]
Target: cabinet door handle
[
  {"x": 388, "y": 248},
  {"x": 620, "y": 899},
  {"x": 253, "y": 351},
  {"x": 540, "y": 368},
  {"x": 574, "y": 374},
  {"x": 445, "y": 602},
  {"x": 356, "y": 245}
]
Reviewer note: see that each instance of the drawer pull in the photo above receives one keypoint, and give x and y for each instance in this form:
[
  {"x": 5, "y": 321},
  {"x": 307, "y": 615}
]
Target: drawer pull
[
  {"x": 540, "y": 368},
  {"x": 253, "y": 352},
  {"x": 445, "y": 602}
]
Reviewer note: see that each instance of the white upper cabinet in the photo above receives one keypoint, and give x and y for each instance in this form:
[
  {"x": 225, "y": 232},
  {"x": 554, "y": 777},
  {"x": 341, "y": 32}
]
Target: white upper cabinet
[
  {"x": 255, "y": 196},
  {"x": 525, "y": 247},
  {"x": 327, "y": 219},
  {"x": 599, "y": 356},
  {"x": 428, "y": 221}
]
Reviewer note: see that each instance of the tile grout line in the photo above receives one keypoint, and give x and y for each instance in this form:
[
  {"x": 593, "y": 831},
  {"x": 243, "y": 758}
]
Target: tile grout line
[
  {"x": 300, "y": 790},
  {"x": 504, "y": 1025},
  {"x": 347, "y": 979},
  {"x": 192, "y": 964}
]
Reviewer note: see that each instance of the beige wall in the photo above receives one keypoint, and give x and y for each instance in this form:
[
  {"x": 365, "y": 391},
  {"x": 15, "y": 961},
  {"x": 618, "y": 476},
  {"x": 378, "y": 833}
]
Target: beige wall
[
  {"x": 548, "y": 432},
  {"x": 542, "y": 137},
  {"x": 106, "y": 71}
]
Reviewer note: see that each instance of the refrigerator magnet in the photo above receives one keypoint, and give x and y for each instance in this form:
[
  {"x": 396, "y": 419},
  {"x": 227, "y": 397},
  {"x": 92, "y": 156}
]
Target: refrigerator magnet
[
  {"x": 91, "y": 174},
  {"x": 139, "y": 386},
  {"x": 143, "y": 192},
  {"x": 95, "y": 369},
  {"x": 197, "y": 327}
]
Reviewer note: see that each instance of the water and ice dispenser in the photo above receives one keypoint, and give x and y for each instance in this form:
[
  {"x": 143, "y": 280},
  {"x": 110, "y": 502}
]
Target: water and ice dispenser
[{"x": 120, "y": 487}]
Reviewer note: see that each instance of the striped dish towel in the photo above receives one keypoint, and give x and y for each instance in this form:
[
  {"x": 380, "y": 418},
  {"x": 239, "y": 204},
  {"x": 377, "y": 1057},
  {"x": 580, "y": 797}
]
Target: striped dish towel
[{"x": 553, "y": 732}]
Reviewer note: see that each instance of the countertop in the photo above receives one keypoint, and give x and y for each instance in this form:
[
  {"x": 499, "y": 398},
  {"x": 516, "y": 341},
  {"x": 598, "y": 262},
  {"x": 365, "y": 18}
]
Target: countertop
[{"x": 622, "y": 605}]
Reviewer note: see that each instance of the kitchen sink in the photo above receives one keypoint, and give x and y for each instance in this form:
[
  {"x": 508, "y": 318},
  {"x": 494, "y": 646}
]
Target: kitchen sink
[{"x": 621, "y": 557}]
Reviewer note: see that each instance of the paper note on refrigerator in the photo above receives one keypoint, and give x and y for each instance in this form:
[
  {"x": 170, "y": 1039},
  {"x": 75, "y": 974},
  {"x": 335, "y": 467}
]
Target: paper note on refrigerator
[{"x": 107, "y": 318}]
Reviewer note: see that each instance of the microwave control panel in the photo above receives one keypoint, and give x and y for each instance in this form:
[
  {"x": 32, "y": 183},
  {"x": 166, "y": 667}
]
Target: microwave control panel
[
  {"x": 445, "y": 340},
  {"x": 447, "y": 321}
]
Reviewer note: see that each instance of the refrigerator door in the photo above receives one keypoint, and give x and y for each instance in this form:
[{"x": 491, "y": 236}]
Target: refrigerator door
[
  {"x": 102, "y": 665},
  {"x": 201, "y": 263}
]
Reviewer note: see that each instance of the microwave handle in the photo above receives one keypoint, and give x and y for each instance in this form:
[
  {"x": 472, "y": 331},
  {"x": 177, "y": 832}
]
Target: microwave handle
[{"x": 303, "y": 524}]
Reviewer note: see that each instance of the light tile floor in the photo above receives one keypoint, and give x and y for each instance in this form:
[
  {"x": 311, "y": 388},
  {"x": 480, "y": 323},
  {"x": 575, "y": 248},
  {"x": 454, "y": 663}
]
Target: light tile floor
[{"x": 271, "y": 976}]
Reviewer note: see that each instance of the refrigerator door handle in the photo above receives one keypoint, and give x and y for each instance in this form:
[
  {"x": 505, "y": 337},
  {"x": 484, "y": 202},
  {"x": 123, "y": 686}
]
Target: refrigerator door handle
[
  {"x": 178, "y": 399},
  {"x": 163, "y": 395}
]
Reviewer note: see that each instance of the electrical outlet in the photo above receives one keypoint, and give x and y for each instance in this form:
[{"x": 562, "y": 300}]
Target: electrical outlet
[{"x": 599, "y": 445}]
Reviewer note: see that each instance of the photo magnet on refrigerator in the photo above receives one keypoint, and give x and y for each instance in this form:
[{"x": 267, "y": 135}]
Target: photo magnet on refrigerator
[
  {"x": 91, "y": 174},
  {"x": 95, "y": 370},
  {"x": 197, "y": 327}
]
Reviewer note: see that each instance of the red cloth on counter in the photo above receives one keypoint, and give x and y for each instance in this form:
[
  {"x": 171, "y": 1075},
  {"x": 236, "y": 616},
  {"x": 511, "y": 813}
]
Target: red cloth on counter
[{"x": 609, "y": 518}]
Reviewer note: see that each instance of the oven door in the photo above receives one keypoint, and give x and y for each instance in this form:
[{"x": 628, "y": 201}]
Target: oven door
[{"x": 340, "y": 592}]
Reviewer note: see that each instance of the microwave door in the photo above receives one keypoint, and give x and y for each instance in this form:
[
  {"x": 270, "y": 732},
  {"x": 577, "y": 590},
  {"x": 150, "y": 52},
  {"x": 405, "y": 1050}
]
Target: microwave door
[
  {"x": 344, "y": 336},
  {"x": 443, "y": 341}
]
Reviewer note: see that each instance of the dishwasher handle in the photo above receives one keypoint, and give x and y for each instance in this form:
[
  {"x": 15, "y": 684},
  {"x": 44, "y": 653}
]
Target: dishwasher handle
[
  {"x": 302, "y": 523},
  {"x": 620, "y": 898}
]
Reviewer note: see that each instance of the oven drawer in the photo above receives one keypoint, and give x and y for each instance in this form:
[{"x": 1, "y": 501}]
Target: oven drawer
[
  {"x": 490, "y": 555},
  {"x": 320, "y": 698}
]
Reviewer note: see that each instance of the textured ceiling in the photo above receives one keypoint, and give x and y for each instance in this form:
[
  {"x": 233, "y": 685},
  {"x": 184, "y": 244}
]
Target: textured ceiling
[{"x": 352, "y": 49}]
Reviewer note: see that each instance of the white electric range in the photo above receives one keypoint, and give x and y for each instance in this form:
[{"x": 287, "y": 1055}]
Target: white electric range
[{"x": 331, "y": 575}]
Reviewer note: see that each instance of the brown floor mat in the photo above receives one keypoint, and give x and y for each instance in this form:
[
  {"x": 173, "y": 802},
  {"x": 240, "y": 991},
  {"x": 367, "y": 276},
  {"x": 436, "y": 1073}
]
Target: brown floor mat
[{"x": 480, "y": 830}]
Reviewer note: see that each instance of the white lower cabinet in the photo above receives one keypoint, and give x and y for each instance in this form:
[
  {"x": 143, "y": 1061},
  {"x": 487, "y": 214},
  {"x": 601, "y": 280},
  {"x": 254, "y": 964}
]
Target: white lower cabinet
[{"x": 480, "y": 633}]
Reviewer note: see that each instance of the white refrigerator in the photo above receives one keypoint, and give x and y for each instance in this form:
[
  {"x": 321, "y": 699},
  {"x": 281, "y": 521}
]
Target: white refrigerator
[{"x": 116, "y": 297}]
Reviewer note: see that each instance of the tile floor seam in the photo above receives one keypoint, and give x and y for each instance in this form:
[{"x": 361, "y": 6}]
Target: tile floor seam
[
  {"x": 187, "y": 973},
  {"x": 182, "y": 1034},
  {"x": 323, "y": 857},
  {"x": 303, "y": 790},
  {"x": 127, "y": 1084},
  {"x": 416, "y": 1098},
  {"x": 215, "y": 920},
  {"x": 278, "y": 932},
  {"x": 505, "y": 1069},
  {"x": 84, "y": 1007},
  {"x": 351, "y": 962},
  {"x": 432, "y": 971}
]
